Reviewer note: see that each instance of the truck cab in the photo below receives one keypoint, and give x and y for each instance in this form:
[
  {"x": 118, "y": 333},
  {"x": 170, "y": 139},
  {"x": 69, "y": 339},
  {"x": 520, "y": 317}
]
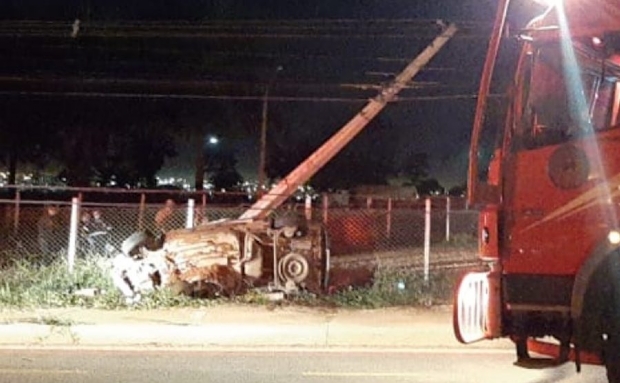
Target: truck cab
[{"x": 549, "y": 200}]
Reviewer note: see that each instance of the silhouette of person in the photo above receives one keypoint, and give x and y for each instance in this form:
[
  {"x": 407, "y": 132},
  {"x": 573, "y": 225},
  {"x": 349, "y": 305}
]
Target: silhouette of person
[
  {"x": 164, "y": 219},
  {"x": 98, "y": 223},
  {"x": 49, "y": 228}
]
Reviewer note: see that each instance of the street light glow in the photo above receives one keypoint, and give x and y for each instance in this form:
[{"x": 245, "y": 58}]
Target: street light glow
[{"x": 213, "y": 140}]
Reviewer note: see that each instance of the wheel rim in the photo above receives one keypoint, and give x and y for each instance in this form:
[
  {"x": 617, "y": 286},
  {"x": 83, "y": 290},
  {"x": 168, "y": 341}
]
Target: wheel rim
[{"x": 293, "y": 267}]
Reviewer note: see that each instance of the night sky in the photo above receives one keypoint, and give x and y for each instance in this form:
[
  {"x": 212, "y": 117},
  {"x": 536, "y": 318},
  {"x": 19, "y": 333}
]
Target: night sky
[{"x": 208, "y": 62}]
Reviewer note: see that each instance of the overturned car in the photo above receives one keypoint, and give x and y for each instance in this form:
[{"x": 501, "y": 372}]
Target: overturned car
[{"x": 225, "y": 258}]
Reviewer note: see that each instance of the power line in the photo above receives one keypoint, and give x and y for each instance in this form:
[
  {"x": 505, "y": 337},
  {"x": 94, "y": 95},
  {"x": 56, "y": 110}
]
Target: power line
[
  {"x": 199, "y": 84},
  {"x": 246, "y": 22},
  {"x": 267, "y": 29},
  {"x": 282, "y": 36},
  {"x": 235, "y": 98},
  {"x": 158, "y": 50}
]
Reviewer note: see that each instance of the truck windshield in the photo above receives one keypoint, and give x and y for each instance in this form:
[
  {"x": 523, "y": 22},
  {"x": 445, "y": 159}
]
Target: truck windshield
[{"x": 558, "y": 109}]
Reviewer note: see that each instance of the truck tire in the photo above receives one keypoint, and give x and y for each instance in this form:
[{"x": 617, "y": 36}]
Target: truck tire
[
  {"x": 610, "y": 318},
  {"x": 611, "y": 339},
  {"x": 599, "y": 330},
  {"x": 612, "y": 359}
]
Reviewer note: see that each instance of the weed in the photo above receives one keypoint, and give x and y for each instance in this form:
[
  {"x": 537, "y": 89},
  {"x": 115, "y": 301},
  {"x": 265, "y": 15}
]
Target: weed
[
  {"x": 25, "y": 284},
  {"x": 391, "y": 287},
  {"x": 28, "y": 285},
  {"x": 55, "y": 321}
]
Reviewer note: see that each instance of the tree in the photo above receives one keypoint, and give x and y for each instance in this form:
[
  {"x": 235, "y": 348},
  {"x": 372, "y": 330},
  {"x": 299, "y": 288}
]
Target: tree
[
  {"x": 367, "y": 159},
  {"x": 134, "y": 154},
  {"x": 24, "y": 141},
  {"x": 78, "y": 150},
  {"x": 196, "y": 123},
  {"x": 458, "y": 190},
  {"x": 221, "y": 165},
  {"x": 429, "y": 187},
  {"x": 412, "y": 167}
]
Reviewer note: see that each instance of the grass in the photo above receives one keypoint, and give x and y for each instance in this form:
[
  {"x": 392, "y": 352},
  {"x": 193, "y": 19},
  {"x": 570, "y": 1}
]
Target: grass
[
  {"x": 26, "y": 284},
  {"x": 459, "y": 241},
  {"x": 398, "y": 287},
  {"x": 30, "y": 285},
  {"x": 391, "y": 287}
]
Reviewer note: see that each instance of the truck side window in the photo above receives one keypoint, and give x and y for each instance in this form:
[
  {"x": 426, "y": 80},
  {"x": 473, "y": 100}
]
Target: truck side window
[
  {"x": 602, "y": 105},
  {"x": 547, "y": 118},
  {"x": 556, "y": 108}
]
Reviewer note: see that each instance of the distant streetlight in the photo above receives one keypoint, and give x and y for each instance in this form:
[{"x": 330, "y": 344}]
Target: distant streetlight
[
  {"x": 263, "y": 132},
  {"x": 213, "y": 140}
]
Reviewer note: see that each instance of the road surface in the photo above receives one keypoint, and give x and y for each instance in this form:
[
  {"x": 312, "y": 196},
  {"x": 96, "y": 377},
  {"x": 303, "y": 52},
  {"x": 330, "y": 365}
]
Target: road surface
[{"x": 277, "y": 366}]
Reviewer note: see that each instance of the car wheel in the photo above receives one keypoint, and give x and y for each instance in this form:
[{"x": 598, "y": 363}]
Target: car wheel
[{"x": 134, "y": 242}]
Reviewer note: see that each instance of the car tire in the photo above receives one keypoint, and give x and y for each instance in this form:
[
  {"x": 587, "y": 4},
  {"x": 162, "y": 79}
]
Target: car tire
[{"x": 134, "y": 242}]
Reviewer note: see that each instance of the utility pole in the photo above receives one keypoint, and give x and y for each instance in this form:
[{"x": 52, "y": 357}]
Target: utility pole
[
  {"x": 263, "y": 135},
  {"x": 280, "y": 192}
]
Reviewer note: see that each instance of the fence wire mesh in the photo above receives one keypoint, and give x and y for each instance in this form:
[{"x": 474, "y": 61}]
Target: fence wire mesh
[{"x": 362, "y": 235}]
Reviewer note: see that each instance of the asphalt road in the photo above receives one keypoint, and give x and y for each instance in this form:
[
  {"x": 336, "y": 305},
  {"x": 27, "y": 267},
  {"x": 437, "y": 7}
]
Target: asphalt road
[{"x": 277, "y": 366}]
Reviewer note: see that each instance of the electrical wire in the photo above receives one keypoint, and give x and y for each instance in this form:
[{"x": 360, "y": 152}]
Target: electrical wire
[{"x": 234, "y": 98}]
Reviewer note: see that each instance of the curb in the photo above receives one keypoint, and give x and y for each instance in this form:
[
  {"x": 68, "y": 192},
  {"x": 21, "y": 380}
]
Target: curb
[
  {"x": 324, "y": 335},
  {"x": 235, "y": 326}
]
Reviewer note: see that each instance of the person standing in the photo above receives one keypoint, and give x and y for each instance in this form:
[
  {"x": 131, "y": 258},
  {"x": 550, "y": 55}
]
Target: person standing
[
  {"x": 84, "y": 232},
  {"x": 99, "y": 224},
  {"x": 49, "y": 228},
  {"x": 100, "y": 233},
  {"x": 164, "y": 219}
]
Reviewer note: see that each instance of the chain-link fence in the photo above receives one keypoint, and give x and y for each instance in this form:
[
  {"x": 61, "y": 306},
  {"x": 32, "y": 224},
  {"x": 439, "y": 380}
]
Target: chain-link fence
[{"x": 395, "y": 232}]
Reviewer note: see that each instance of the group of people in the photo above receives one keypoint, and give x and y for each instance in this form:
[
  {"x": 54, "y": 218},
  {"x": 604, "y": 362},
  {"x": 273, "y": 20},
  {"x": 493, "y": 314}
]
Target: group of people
[
  {"x": 52, "y": 231},
  {"x": 94, "y": 232}
]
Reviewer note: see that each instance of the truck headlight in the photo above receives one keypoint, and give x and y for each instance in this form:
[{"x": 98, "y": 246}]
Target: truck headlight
[{"x": 614, "y": 237}]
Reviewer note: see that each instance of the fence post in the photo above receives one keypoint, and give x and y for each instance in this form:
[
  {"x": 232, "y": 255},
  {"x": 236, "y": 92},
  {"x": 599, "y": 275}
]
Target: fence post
[
  {"x": 73, "y": 233},
  {"x": 18, "y": 197},
  {"x": 325, "y": 208},
  {"x": 427, "y": 239},
  {"x": 141, "y": 211},
  {"x": 448, "y": 219},
  {"x": 308, "y": 207},
  {"x": 203, "y": 211},
  {"x": 388, "y": 223},
  {"x": 368, "y": 202},
  {"x": 189, "y": 222}
]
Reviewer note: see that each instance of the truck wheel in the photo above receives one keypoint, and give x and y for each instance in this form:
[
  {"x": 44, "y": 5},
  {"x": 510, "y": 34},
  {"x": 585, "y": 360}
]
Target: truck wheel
[
  {"x": 610, "y": 318},
  {"x": 611, "y": 358},
  {"x": 293, "y": 267}
]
